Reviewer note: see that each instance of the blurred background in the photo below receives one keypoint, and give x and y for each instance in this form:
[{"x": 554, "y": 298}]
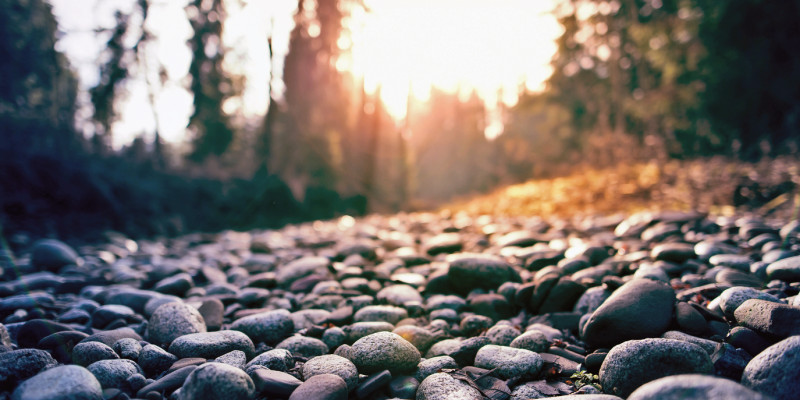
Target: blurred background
[{"x": 156, "y": 117}]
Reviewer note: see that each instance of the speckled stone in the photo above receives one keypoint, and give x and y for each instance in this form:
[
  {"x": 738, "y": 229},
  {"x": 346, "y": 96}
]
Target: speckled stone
[
  {"x": 384, "y": 350},
  {"x": 774, "y": 372},
  {"x": 694, "y": 387},
  {"x": 508, "y": 361},
  {"x": 269, "y": 327},
  {"x": 636, "y": 362},
  {"x": 172, "y": 320},
  {"x": 442, "y": 386},
  {"x": 211, "y": 344},
  {"x": 66, "y": 382},
  {"x": 332, "y": 364},
  {"x": 218, "y": 381}
]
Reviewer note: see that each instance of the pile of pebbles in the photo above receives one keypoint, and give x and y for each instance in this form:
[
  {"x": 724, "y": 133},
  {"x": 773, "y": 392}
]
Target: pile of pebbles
[{"x": 669, "y": 305}]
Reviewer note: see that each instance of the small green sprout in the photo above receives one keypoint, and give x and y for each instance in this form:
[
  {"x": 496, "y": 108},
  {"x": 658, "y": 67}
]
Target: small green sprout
[{"x": 583, "y": 378}]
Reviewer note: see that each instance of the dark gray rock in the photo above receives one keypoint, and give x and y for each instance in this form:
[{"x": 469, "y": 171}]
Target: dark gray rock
[
  {"x": 112, "y": 336},
  {"x": 390, "y": 314},
  {"x": 113, "y": 373},
  {"x": 167, "y": 383},
  {"x": 18, "y": 365},
  {"x": 87, "y": 353},
  {"x": 275, "y": 359},
  {"x": 767, "y": 317},
  {"x": 66, "y": 382},
  {"x": 384, "y": 350},
  {"x": 172, "y": 320},
  {"x": 694, "y": 387},
  {"x": 420, "y": 337},
  {"x": 218, "y": 381},
  {"x": 731, "y": 299},
  {"x": 442, "y": 386},
  {"x": 470, "y": 271},
  {"x": 639, "y": 309},
  {"x": 271, "y": 383},
  {"x": 636, "y": 362},
  {"x": 508, "y": 361},
  {"x": 304, "y": 346},
  {"x": 51, "y": 255},
  {"x": 236, "y": 358},
  {"x": 154, "y": 359},
  {"x": 332, "y": 364},
  {"x": 774, "y": 371},
  {"x": 430, "y": 366},
  {"x": 128, "y": 348},
  {"x": 211, "y": 344},
  {"x": 787, "y": 269},
  {"x": 269, "y": 327},
  {"x": 321, "y": 387},
  {"x": 534, "y": 340}
]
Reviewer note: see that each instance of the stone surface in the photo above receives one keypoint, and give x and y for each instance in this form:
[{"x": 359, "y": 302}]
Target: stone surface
[
  {"x": 211, "y": 344},
  {"x": 384, "y": 350},
  {"x": 304, "y": 346},
  {"x": 218, "y": 381},
  {"x": 694, "y": 387},
  {"x": 508, "y": 361},
  {"x": 332, "y": 364},
  {"x": 441, "y": 386},
  {"x": 321, "y": 387},
  {"x": 636, "y": 362},
  {"x": 172, "y": 320},
  {"x": 269, "y": 327},
  {"x": 51, "y": 255},
  {"x": 470, "y": 271},
  {"x": 639, "y": 309},
  {"x": 113, "y": 373},
  {"x": 774, "y": 372},
  {"x": 66, "y": 382},
  {"x": 18, "y": 365},
  {"x": 767, "y": 317}
]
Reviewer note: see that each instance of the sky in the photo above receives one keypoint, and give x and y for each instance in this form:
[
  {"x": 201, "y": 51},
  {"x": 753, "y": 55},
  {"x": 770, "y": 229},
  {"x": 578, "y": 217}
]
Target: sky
[{"x": 399, "y": 45}]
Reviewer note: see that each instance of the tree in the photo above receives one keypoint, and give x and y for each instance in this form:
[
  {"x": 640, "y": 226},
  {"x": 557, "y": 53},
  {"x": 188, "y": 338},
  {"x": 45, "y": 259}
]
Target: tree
[
  {"x": 210, "y": 85},
  {"x": 37, "y": 89},
  {"x": 752, "y": 73}
]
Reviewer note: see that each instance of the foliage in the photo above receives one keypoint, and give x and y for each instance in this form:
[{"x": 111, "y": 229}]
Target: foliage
[
  {"x": 37, "y": 89},
  {"x": 583, "y": 378},
  {"x": 211, "y": 86}
]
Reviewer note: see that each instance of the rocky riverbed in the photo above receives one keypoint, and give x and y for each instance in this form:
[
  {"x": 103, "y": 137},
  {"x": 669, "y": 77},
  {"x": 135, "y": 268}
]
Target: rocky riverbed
[{"x": 669, "y": 305}]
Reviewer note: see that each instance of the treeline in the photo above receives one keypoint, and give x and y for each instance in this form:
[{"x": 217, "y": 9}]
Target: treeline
[
  {"x": 632, "y": 80},
  {"x": 656, "y": 79}
]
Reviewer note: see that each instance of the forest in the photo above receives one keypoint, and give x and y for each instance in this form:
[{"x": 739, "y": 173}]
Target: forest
[{"x": 632, "y": 81}]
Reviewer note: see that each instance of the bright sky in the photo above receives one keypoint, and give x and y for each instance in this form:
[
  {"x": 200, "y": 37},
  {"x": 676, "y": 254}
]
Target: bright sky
[{"x": 486, "y": 45}]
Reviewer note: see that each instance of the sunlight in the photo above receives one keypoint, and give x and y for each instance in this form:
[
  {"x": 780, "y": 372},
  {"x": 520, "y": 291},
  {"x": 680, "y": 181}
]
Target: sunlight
[{"x": 412, "y": 45}]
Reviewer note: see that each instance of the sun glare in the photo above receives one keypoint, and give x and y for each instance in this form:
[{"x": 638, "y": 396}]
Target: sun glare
[{"x": 495, "y": 48}]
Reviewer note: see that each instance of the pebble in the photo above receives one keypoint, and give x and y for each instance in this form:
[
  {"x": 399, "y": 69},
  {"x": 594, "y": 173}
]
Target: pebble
[
  {"x": 113, "y": 373},
  {"x": 641, "y": 308},
  {"x": 87, "y": 353},
  {"x": 271, "y": 383},
  {"x": 173, "y": 320},
  {"x": 218, "y": 381},
  {"x": 774, "y": 371},
  {"x": 51, "y": 255},
  {"x": 275, "y": 359},
  {"x": 18, "y": 365},
  {"x": 211, "y": 344},
  {"x": 304, "y": 346},
  {"x": 694, "y": 387},
  {"x": 332, "y": 364},
  {"x": 65, "y": 382},
  {"x": 269, "y": 327},
  {"x": 384, "y": 350},
  {"x": 358, "y": 301},
  {"x": 321, "y": 387},
  {"x": 636, "y": 362},
  {"x": 508, "y": 362},
  {"x": 442, "y": 386}
]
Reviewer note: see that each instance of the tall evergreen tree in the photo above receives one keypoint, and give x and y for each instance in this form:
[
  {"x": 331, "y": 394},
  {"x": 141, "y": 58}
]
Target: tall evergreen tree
[
  {"x": 210, "y": 85},
  {"x": 37, "y": 88}
]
